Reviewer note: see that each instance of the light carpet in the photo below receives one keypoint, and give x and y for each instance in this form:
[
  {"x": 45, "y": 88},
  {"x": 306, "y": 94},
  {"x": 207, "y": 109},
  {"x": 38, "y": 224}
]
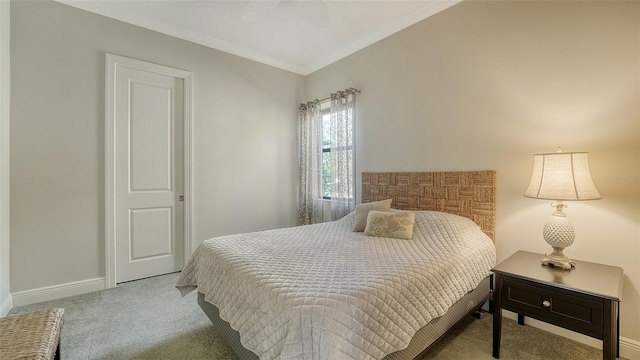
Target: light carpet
[{"x": 147, "y": 319}]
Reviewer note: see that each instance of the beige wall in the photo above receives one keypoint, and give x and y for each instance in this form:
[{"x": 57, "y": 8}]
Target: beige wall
[
  {"x": 244, "y": 144},
  {"x": 484, "y": 85},
  {"x": 5, "y": 294}
]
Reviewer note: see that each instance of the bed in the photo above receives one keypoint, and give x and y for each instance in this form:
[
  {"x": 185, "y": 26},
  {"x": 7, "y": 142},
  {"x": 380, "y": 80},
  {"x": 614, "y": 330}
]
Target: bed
[{"x": 325, "y": 292}]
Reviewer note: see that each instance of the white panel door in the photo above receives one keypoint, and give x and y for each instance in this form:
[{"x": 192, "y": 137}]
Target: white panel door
[{"x": 149, "y": 212}]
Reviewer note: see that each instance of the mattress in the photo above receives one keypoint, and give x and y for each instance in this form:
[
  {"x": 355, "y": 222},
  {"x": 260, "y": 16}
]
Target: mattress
[{"x": 324, "y": 292}]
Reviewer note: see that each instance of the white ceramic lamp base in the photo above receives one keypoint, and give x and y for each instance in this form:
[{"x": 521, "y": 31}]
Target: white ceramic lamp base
[
  {"x": 558, "y": 232},
  {"x": 559, "y": 259}
]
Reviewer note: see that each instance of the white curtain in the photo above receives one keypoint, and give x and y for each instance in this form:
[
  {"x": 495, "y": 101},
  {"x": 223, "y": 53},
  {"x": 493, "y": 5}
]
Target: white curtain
[
  {"x": 310, "y": 163},
  {"x": 342, "y": 155},
  {"x": 339, "y": 158}
]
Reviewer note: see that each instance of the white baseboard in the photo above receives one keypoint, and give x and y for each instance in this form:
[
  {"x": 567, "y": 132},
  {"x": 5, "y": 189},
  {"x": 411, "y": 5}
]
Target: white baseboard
[
  {"x": 629, "y": 349},
  {"x": 6, "y": 306},
  {"x": 47, "y": 293}
]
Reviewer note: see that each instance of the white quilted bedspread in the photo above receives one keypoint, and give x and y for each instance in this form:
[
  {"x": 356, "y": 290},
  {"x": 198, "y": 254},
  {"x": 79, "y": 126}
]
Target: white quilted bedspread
[{"x": 324, "y": 292}]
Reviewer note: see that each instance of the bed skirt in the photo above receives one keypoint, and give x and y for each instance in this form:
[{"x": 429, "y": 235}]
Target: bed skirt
[{"x": 421, "y": 341}]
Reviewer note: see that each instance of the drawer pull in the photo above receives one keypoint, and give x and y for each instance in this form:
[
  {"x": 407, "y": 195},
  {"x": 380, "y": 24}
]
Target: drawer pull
[{"x": 546, "y": 303}]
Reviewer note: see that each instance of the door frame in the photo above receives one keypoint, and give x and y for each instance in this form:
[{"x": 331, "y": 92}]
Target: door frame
[{"x": 112, "y": 62}]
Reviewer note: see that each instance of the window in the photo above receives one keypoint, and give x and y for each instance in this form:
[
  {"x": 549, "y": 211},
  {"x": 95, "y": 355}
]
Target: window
[
  {"x": 339, "y": 154},
  {"x": 327, "y": 157},
  {"x": 326, "y": 153}
]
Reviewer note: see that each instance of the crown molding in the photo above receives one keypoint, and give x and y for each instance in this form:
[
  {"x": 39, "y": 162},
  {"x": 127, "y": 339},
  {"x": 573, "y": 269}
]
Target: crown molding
[
  {"x": 98, "y": 7},
  {"x": 431, "y": 9}
]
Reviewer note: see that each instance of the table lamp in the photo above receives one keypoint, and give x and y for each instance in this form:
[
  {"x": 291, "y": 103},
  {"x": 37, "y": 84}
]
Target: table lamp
[{"x": 561, "y": 176}]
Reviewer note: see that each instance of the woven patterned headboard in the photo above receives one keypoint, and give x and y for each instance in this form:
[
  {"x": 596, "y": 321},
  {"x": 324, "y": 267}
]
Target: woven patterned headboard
[{"x": 471, "y": 194}]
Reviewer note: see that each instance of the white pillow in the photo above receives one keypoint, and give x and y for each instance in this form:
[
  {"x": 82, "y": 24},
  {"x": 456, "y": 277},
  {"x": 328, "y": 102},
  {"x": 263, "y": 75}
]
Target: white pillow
[
  {"x": 397, "y": 225},
  {"x": 362, "y": 210}
]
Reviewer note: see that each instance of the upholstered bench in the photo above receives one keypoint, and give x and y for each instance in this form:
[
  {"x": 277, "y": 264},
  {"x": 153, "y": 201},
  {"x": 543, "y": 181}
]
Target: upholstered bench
[{"x": 33, "y": 336}]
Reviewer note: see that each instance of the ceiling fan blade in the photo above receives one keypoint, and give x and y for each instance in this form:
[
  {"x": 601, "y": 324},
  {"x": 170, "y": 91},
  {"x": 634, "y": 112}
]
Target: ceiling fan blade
[
  {"x": 257, "y": 9},
  {"x": 314, "y": 12}
]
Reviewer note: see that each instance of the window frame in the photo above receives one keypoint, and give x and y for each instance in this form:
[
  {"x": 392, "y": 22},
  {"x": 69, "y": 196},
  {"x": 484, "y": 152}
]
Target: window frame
[{"x": 325, "y": 110}]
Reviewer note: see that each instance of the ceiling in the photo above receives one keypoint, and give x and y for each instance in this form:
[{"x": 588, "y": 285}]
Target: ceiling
[{"x": 294, "y": 35}]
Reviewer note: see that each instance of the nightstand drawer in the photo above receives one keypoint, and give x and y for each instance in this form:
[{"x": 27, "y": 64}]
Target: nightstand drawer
[{"x": 579, "y": 312}]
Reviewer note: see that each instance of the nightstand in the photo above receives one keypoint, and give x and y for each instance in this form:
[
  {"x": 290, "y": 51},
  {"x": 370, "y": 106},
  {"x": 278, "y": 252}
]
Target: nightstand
[{"x": 585, "y": 299}]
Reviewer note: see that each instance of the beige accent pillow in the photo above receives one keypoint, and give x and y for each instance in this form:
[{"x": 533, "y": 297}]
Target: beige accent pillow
[
  {"x": 362, "y": 210},
  {"x": 397, "y": 225}
]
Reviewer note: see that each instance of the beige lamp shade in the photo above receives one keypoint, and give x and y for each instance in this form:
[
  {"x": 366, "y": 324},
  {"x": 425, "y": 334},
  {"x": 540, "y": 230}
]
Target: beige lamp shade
[{"x": 562, "y": 176}]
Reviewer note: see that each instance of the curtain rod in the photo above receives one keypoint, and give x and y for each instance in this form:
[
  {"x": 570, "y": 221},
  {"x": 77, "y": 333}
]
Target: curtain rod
[{"x": 327, "y": 98}]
